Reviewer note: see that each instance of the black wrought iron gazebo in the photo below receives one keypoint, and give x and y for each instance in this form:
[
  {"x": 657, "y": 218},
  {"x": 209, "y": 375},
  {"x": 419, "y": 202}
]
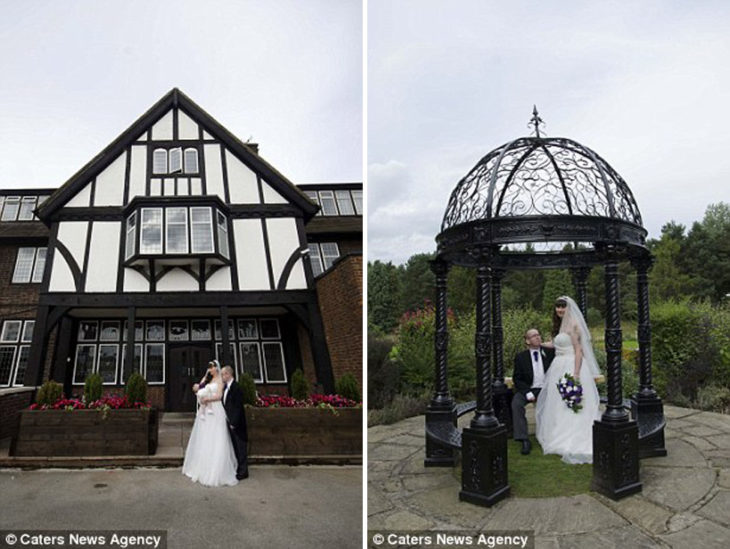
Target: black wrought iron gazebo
[{"x": 546, "y": 192}]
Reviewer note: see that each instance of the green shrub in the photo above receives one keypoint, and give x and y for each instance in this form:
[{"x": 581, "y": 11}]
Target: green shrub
[
  {"x": 594, "y": 317},
  {"x": 401, "y": 407},
  {"x": 49, "y": 393},
  {"x": 686, "y": 355},
  {"x": 347, "y": 387},
  {"x": 383, "y": 373},
  {"x": 515, "y": 322},
  {"x": 136, "y": 389},
  {"x": 714, "y": 398},
  {"x": 299, "y": 385},
  {"x": 248, "y": 388},
  {"x": 92, "y": 388}
]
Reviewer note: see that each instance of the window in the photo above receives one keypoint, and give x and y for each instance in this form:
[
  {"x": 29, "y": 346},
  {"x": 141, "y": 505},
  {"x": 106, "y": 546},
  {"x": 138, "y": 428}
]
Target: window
[
  {"x": 109, "y": 330},
  {"x": 251, "y": 361},
  {"x": 136, "y": 365},
  {"x": 27, "y": 205},
  {"x": 200, "y": 330},
  {"x": 14, "y": 351},
  {"x": 24, "y": 265},
  {"x": 270, "y": 328},
  {"x": 327, "y": 200},
  {"x": 322, "y": 256},
  {"x": 330, "y": 252},
  {"x": 173, "y": 160},
  {"x": 84, "y": 362},
  {"x": 247, "y": 329},
  {"x": 357, "y": 199},
  {"x": 274, "y": 362},
  {"x": 131, "y": 243},
  {"x": 138, "y": 330},
  {"x": 176, "y": 237},
  {"x": 88, "y": 330},
  {"x": 187, "y": 230},
  {"x": 344, "y": 203},
  {"x": 28, "y": 326},
  {"x": 159, "y": 161},
  {"x": 178, "y": 330},
  {"x": 314, "y": 197},
  {"x": 315, "y": 258},
  {"x": 40, "y": 265},
  {"x": 107, "y": 363},
  {"x": 191, "y": 161},
  {"x": 7, "y": 360},
  {"x": 155, "y": 330},
  {"x": 222, "y": 233},
  {"x": 11, "y": 331},
  {"x": 151, "y": 231},
  {"x": 10, "y": 210},
  {"x": 29, "y": 265},
  {"x": 155, "y": 362},
  {"x": 231, "y": 333},
  {"x": 201, "y": 229},
  {"x": 231, "y": 355}
]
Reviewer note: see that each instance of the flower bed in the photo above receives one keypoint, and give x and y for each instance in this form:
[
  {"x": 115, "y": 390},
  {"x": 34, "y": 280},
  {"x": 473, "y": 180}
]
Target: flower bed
[
  {"x": 109, "y": 426},
  {"x": 322, "y": 425}
]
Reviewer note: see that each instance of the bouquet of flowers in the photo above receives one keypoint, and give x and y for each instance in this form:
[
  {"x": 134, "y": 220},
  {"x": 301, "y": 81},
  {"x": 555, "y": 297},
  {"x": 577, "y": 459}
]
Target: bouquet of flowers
[{"x": 571, "y": 391}]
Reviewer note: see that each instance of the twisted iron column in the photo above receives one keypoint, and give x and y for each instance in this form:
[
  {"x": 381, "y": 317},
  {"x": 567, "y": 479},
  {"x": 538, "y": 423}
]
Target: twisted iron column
[
  {"x": 580, "y": 282},
  {"x": 615, "y": 411},
  {"x": 497, "y": 331},
  {"x": 484, "y": 415},
  {"x": 642, "y": 266},
  {"x": 441, "y": 397}
]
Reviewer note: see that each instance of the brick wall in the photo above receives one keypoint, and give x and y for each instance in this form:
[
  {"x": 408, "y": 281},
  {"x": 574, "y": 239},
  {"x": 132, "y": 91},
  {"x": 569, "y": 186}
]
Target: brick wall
[
  {"x": 11, "y": 402},
  {"x": 340, "y": 301}
]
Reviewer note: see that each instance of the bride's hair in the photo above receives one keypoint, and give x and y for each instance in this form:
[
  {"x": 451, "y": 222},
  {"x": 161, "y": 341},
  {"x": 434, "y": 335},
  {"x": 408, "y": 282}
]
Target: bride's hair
[{"x": 556, "y": 319}]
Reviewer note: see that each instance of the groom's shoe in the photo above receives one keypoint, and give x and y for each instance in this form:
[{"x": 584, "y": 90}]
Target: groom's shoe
[
  {"x": 243, "y": 476},
  {"x": 526, "y": 447}
]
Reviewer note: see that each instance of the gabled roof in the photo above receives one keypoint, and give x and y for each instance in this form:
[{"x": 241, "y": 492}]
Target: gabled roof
[{"x": 176, "y": 98}]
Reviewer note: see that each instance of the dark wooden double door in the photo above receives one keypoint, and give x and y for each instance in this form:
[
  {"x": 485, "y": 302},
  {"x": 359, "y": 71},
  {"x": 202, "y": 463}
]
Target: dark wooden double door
[{"x": 187, "y": 366}]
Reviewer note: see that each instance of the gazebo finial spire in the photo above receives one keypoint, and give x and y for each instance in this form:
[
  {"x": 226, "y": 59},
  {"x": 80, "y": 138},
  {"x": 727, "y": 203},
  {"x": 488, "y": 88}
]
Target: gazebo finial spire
[{"x": 536, "y": 121}]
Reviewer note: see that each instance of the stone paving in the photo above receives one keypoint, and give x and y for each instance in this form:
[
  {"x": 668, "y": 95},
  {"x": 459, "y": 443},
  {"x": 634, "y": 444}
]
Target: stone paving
[{"x": 685, "y": 501}]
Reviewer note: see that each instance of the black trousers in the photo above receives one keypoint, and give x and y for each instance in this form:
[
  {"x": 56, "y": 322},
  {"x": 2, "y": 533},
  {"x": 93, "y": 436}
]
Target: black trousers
[
  {"x": 241, "y": 451},
  {"x": 519, "y": 421}
]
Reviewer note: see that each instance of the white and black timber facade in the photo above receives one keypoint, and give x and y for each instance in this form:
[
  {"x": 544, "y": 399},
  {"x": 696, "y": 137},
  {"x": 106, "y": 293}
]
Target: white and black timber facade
[{"x": 175, "y": 231}]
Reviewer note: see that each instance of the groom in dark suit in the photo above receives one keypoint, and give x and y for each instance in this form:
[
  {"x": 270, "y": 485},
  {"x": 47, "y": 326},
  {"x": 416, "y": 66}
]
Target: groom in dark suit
[
  {"x": 528, "y": 376},
  {"x": 236, "y": 419}
]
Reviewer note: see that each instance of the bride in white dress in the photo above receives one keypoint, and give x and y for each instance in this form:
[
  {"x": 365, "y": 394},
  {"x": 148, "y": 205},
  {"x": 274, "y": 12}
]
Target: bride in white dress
[
  {"x": 209, "y": 457},
  {"x": 559, "y": 429}
]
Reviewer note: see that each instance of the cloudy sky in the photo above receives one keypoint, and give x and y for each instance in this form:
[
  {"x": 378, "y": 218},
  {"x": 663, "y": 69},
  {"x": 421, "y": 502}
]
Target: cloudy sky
[
  {"x": 644, "y": 84},
  {"x": 75, "y": 73}
]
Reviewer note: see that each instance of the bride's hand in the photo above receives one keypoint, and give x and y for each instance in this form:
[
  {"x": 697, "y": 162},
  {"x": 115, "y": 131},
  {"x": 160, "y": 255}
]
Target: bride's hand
[{"x": 576, "y": 374}]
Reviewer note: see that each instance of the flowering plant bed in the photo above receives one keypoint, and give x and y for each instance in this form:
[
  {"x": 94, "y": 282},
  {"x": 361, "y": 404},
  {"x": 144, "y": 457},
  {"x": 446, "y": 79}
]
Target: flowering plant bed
[
  {"x": 314, "y": 401},
  {"x": 321, "y": 425},
  {"x": 109, "y": 426}
]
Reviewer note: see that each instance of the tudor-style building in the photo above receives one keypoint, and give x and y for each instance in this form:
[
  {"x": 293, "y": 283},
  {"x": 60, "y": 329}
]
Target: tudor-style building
[{"x": 173, "y": 232}]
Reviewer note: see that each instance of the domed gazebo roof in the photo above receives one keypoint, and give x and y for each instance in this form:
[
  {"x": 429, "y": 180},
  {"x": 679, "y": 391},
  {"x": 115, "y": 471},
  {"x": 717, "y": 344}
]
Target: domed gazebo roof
[{"x": 538, "y": 190}]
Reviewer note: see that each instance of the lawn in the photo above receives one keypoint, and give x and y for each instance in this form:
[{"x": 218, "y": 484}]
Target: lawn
[{"x": 537, "y": 475}]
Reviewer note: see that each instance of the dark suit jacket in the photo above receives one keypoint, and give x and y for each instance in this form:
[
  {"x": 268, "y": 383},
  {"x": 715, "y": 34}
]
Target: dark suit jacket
[
  {"x": 234, "y": 410},
  {"x": 522, "y": 375}
]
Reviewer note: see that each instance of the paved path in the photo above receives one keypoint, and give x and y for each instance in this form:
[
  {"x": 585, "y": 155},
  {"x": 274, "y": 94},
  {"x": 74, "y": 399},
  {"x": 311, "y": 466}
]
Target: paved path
[
  {"x": 685, "y": 500},
  {"x": 278, "y": 506}
]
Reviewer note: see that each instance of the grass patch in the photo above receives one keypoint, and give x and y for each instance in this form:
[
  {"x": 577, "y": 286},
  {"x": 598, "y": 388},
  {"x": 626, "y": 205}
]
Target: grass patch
[{"x": 537, "y": 475}]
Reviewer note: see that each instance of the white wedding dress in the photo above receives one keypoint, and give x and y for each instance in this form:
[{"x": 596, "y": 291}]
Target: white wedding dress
[
  {"x": 560, "y": 430},
  {"x": 209, "y": 457}
]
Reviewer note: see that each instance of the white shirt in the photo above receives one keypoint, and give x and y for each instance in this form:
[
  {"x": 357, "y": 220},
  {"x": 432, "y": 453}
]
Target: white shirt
[{"x": 538, "y": 370}]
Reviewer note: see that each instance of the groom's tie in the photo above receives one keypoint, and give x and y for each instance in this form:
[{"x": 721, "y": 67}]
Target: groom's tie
[{"x": 534, "y": 354}]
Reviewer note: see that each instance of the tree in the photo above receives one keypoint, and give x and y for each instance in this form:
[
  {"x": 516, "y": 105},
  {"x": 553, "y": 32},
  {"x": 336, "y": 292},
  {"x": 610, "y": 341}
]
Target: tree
[
  {"x": 383, "y": 295},
  {"x": 418, "y": 283}
]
